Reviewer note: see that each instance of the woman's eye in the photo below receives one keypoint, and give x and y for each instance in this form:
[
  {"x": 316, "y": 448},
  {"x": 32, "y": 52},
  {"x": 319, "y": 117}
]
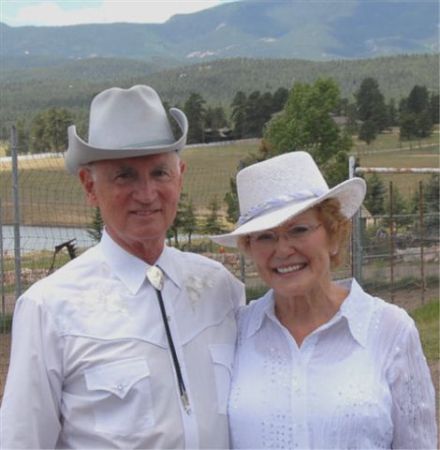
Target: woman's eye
[
  {"x": 265, "y": 237},
  {"x": 299, "y": 230}
]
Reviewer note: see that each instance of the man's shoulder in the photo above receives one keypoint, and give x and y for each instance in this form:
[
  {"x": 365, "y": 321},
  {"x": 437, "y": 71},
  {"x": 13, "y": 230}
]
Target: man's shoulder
[
  {"x": 195, "y": 259},
  {"x": 76, "y": 269}
]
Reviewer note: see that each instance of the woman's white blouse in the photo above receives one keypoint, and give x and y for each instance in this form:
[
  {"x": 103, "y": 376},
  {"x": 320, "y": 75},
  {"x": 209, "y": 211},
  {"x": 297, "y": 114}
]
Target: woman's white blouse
[{"x": 359, "y": 381}]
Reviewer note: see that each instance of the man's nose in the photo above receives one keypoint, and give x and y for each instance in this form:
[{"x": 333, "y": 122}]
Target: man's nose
[{"x": 145, "y": 191}]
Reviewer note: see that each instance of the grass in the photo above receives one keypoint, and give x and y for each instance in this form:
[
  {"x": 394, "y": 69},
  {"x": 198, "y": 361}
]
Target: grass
[
  {"x": 406, "y": 183},
  {"x": 49, "y": 196},
  {"x": 427, "y": 320}
]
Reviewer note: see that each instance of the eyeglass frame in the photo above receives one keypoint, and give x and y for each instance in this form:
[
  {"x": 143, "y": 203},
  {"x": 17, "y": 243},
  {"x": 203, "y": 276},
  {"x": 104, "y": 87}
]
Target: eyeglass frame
[{"x": 291, "y": 240}]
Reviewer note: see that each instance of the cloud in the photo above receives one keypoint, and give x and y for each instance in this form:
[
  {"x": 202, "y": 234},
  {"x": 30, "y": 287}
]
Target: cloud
[{"x": 49, "y": 13}]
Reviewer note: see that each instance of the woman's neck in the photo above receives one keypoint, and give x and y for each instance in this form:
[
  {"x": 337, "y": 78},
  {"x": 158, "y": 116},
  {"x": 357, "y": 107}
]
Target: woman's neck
[{"x": 302, "y": 314}]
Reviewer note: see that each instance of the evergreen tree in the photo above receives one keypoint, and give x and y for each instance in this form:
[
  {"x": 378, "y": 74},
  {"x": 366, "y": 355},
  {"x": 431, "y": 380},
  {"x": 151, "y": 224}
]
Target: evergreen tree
[
  {"x": 238, "y": 115},
  {"x": 189, "y": 220},
  {"x": 435, "y": 108},
  {"x": 401, "y": 212},
  {"x": 416, "y": 114},
  {"x": 431, "y": 206},
  {"x": 256, "y": 114},
  {"x": 179, "y": 220},
  {"x": 231, "y": 200},
  {"x": 392, "y": 117},
  {"x": 375, "y": 197},
  {"x": 371, "y": 109},
  {"x": 279, "y": 99},
  {"x": 213, "y": 225},
  {"x": 49, "y": 130},
  {"x": 96, "y": 227},
  {"x": 194, "y": 109}
]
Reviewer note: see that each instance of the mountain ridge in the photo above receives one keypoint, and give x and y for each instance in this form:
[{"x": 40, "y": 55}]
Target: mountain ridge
[{"x": 317, "y": 31}]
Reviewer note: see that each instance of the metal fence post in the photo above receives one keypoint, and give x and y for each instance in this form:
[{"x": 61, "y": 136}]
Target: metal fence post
[
  {"x": 356, "y": 237},
  {"x": 15, "y": 195},
  {"x": 422, "y": 249},
  {"x": 391, "y": 228},
  {"x": 2, "y": 266}
]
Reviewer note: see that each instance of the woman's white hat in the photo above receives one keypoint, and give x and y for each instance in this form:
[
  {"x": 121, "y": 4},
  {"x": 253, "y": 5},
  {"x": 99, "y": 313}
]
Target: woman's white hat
[
  {"x": 277, "y": 189},
  {"x": 125, "y": 123}
]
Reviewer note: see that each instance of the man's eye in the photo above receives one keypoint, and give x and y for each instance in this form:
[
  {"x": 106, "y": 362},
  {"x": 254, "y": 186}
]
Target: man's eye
[
  {"x": 161, "y": 174},
  {"x": 123, "y": 175}
]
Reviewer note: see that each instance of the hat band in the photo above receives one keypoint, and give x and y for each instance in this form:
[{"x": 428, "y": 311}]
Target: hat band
[{"x": 278, "y": 202}]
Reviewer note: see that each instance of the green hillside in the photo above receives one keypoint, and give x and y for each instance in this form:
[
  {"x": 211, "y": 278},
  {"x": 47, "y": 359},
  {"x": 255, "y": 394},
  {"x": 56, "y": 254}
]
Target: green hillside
[{"x": 72, "y": 85}]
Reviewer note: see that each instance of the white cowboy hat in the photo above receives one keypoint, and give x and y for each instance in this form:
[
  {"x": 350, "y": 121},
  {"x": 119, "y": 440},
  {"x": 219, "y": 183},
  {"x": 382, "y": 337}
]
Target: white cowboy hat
[
  {"x": 277, "y": 189},
  {"x": 125, "y": 123}
]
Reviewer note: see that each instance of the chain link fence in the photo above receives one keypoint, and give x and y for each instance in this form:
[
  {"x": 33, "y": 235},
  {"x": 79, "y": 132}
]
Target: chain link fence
[{"x": 45, "y": 221}]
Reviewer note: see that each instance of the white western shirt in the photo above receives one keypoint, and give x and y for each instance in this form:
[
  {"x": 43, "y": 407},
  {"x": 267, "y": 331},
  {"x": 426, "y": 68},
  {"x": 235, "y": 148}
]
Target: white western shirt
[
  {"x": 360, "y": 381},
  {"x": 90, "y": 365}
]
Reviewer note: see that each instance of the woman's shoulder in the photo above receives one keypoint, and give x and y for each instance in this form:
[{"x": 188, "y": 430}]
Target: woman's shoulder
[{"x": 254, "y": 310}]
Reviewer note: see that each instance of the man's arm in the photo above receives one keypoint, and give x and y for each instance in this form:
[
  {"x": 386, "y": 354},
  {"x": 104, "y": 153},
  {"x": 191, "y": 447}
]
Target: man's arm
[{"x": 29, "y": 416}]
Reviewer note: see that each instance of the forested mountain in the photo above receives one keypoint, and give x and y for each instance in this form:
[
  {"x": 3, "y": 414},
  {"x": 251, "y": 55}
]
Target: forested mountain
[
  {"x": 312, "y": 30},
  {"x": 74, "y": 84}
]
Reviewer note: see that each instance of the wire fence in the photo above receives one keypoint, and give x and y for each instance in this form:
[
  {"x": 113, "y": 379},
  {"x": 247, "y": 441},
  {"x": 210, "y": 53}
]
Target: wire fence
[{"x": 45, "y": 221}]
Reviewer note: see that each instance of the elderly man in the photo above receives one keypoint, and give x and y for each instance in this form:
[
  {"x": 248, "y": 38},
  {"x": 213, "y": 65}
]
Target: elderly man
[{"x": 130, "y": 345}]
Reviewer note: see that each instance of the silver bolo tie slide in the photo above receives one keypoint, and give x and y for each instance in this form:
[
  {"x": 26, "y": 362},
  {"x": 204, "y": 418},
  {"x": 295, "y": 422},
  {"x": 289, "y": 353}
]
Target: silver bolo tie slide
[{"x": 156, "y": 278}]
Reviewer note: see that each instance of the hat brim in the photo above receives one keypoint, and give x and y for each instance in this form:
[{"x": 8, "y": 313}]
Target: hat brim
[
  {"x": 80, "y": 152},
  {"x": 350, "y": 194}
]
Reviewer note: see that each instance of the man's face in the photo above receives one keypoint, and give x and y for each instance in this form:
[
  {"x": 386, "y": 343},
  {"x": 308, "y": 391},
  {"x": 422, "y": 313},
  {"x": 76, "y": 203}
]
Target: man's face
[{"x": 137, "y": 197}]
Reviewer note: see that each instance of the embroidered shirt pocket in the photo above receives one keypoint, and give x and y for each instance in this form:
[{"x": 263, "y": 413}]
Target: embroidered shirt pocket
[
  {"x": 222, "y": 356},
  {"x": 121, "y": 396}
]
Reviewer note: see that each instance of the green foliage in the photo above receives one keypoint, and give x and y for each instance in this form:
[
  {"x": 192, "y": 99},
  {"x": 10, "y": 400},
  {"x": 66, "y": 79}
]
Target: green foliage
[
  {"x": 431, "y": 206},
  {"x": 238, "y": 114},
  {"x": 96, "y": 227},
  {"x": 49, "y": 130},
  {"x": 371, "y": 109},
  {"x": 375, "y": 197},
  {"x": 416, "y": 114},
  {"x": 231, "y": 200},
  {"x": 189, "y": 223},
  {"x": 72, "y": 85},
  {"x": 306, "y": 123},
  {"x": 195, "y": 111},
  {"x": 426, "y": 318},
  {"x": 213, "y": 225},
  {"x": 5, "y": 323},
  {"x": 399, "y": 207}
]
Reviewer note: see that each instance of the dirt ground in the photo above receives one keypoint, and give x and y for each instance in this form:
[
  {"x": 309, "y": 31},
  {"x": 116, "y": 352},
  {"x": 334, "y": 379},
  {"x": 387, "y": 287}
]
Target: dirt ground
[{"x": 409, "y": 300}]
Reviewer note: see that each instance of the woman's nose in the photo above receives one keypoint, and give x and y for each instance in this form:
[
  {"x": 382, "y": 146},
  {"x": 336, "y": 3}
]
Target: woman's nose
[{"x": 284, "y": 245}]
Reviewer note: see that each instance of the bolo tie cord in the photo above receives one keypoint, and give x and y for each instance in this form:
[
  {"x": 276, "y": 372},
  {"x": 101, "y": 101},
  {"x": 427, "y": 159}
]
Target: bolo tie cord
[{"x": 182, "y": 390}]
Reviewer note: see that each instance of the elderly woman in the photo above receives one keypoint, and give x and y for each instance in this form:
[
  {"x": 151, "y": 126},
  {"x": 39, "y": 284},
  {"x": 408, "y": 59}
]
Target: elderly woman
[{"x": 319, "y": 363}]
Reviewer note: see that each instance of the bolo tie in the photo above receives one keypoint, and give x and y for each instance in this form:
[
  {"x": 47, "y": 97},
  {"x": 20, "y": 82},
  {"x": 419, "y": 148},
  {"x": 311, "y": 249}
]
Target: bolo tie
[{"x": 156, "y": 278}]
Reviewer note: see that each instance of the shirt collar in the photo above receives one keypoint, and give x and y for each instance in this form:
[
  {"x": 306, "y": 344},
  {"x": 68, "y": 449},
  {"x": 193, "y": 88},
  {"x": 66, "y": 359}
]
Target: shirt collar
[
  {"x": 130, "y": 269},
  {"x": 357, "y": 309}
]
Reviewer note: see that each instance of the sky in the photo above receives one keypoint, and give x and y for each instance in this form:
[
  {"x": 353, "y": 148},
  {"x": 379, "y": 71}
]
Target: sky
[{"x": 72, "y": 12}]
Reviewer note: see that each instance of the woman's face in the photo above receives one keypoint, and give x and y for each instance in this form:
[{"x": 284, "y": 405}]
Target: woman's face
[{"x": 294, "y": 259}]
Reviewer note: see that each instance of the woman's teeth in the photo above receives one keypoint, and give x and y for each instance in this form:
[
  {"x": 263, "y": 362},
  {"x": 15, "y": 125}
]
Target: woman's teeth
[{"x": 292, "y": 268}]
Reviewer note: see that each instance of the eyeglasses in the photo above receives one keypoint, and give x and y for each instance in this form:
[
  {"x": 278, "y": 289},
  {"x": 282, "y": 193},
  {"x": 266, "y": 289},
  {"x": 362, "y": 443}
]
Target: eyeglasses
[{"x": 294, "y": 234}]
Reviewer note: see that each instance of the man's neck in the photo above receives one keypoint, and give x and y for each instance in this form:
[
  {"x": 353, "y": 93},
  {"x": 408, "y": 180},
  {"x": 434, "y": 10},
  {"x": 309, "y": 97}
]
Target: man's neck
[{"x": 148, "y": 250}]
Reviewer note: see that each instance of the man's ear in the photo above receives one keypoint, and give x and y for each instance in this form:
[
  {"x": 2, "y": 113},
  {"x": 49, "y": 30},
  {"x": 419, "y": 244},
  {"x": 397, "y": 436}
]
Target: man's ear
[
  {"x": 182, "y": 167},
  {"x": 88, "y": 184}
]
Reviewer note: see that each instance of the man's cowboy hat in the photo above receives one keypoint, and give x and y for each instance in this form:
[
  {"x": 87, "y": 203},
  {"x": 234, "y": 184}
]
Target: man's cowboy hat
[
  {"x": 277, "y": 189},
  {"x": 125, "y": 123}
]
